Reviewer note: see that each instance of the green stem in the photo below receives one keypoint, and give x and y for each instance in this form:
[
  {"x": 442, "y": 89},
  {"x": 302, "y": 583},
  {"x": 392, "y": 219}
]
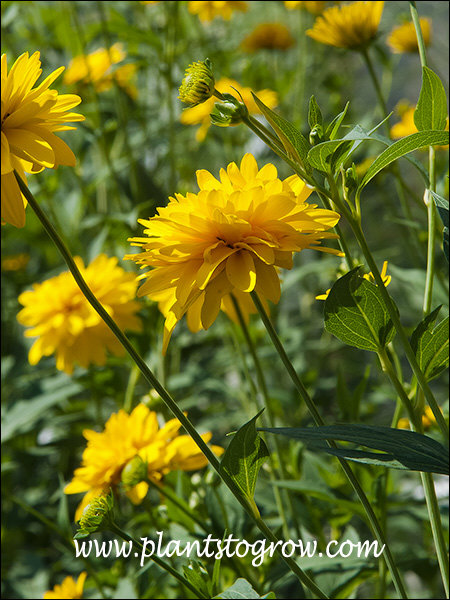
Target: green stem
[
  {"x": 427, "y": 479},
  {"x": 268, "y": 403},
  {"x": 372, "y": 518},
  {"x": 420, "y": 40},
  {"x": 247, "y": 504},
  {"x": 161, "y": 563},
  {"x": 131, "y": 384}
]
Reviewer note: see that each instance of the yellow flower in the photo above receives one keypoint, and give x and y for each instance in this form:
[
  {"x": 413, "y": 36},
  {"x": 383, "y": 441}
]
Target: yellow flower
[
  {"x": 201, "y": 113},
  {"x": 15, "y": 262},
  {"x": 97, "y": 68},
  {"x": 231, "y": 236},
  {"x": 271, "y": 36},
  {"x": 69, "y": 588},
  {"x": 369, "y": 276},
  {"x": 428, "y": 420},
  {"x": 349, "y": 26},
  {"x": 403, "y": 38},
  {"x": 313, "y": 7},
  {"x": 66, "y": 324},
  {"x": 124, "y": 437},
  {"x": 406, "y": 125},
  {"x": 207, "y": 11},
  {"x": 30, "y": 117}
]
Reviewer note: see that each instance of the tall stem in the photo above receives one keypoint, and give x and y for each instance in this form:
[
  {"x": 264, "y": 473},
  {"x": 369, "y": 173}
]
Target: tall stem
[
  {"x": 371, "y": 516},
  {"x": 247, "y": 504}
]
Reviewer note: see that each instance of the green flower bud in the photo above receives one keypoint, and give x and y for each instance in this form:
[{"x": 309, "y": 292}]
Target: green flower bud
[
  {"x": 316, "y": 135},
  {"x": 198, "y": 83},
  {"x": 228, "y": 112},
  {"x": 96, "y": 516},
  {"x": 135, "y": 471},
  {"x": 351, "y": 178}
]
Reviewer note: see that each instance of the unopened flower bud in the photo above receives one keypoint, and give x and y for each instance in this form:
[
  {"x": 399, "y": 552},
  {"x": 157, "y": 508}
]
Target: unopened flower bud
[
  {"x": 228, "y": 112},
  {"x": 351, "y": 178},
  {"x": 96, "y": 516},
  {"x": 198, "y": 83},
  {"x": 135, "y": 471},
  {"x": 316, "y": 135}
]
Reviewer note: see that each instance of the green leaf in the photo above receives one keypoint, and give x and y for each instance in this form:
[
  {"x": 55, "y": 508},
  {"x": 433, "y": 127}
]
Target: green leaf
[
  {"x": 442, "y": 206},
  {"x": 242, "y": 589},
  {"x": 314, "y": 114},
  {"x": 198, "y": 576},
  {"x": 403, "y": 449},
  {"x": 400, "y": 148},
  {"x": 293, "y": 141},
  {"x": 430, "y": 345},
  {"x": 333, "y": 127},
  {"x": 244, "y": 456},
  {"x": 355, "y": 313},
  {"x": 431, "y": 110}
]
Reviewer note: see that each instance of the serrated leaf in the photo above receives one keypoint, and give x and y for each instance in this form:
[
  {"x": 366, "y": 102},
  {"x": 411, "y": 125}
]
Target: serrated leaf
[
  {"x": 314, "y": 113},
  {"x": 431, "y": 110},
  {"x": 293, "y": 141},
  {"x": 442, "y": 206},
  {"x": 402, "y": 448},
  {"x": 244, "y": 456},
  {"x": 242, "y": 589},
  {"x": 355, "y": 313},
  {"x": 431, "y": 345},
  {"x": 398, "y": 149}
]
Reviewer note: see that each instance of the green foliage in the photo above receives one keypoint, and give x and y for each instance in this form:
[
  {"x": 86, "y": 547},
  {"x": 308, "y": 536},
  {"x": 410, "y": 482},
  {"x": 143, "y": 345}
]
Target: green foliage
[
  {"x": 355, "y": 313},
  {"x": 431, "y": 110},
  {"x": 399, "y": 449},
  {"x": 242, "y": 589},
  {"x": 430, "y": 344},
  {"x": 244, "y": 457}
]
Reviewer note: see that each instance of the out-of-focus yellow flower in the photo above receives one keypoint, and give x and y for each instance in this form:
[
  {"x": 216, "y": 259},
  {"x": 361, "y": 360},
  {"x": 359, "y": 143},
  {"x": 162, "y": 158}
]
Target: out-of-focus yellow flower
[
  {"x": 98, "y": 68},
  {"x": 15, "y": 262},
  {"x": 124, "y": 437},
  {"x": 232, "y": 235},
  {"x": 30, "y": 117},
  {"x": 66, "y": 324},
  {"x": 406, "y": 125},
  {"x": 68, "y": 589},
  {"x": 313, "y": 7},
  {"x": 403, "y": 38},
  {"x": 351, "y": 26},
  {"x": 369, "y": 276},
  {"x": 150, "y": 1},
  {"x": 207, "y": 11},
  {"x": 428, "y": 420},
  {"x": 201, "y": 113},
  {"x": 270, "y": 36}
]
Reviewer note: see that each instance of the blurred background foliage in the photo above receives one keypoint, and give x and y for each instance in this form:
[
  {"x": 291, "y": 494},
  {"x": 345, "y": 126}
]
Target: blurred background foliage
[{"x": 133, "y": 153}]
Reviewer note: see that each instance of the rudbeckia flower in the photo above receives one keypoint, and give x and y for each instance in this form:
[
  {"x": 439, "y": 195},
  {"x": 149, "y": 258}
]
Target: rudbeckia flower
[
  {"x": 30, "y": 118},
  {"x": 98, "y": 68},
  {"x": 68, "y": 589},
  {"x": 125, "y": 437},
  {"x": 200, "y": 114},
  {"x": 65, "y": 323},
  {"x": 207, "y": 11},
  {"x": 348, "y": 26},
  {"x": 404, "y": 39},
  {"x": 269, "y": 36},
  {"x": 232, "y": 236}
]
